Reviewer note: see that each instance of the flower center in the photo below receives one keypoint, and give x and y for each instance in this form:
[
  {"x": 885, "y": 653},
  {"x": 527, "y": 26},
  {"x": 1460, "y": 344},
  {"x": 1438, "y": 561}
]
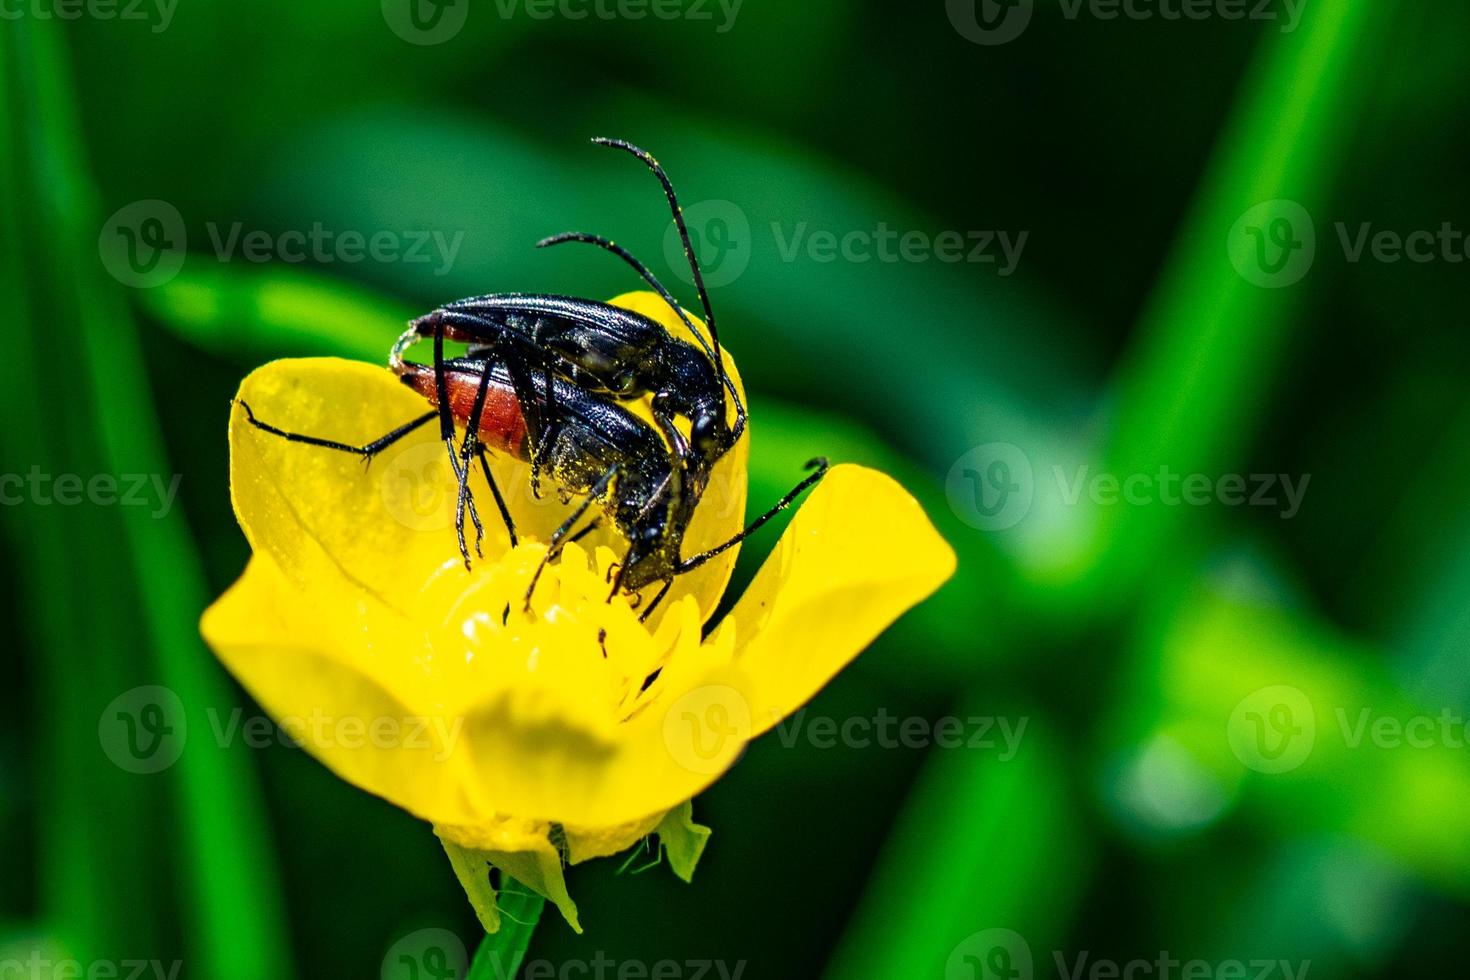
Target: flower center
[{"x": 572, "y": 650}]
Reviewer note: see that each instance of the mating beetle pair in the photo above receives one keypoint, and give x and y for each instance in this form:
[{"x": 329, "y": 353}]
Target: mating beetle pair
[{"x": 544, "y": 381}]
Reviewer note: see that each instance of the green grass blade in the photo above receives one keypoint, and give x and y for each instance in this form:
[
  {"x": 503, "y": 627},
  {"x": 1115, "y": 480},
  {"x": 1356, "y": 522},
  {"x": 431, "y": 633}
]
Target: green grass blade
[
  {"x": 233, "y": 909},
  {"x": 1210, "y": 343},
  {"x": 986, "y": 853}
]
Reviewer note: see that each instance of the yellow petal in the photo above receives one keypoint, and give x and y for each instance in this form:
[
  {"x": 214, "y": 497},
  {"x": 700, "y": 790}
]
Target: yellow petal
[
  {"x": 548, "y": 768},
  {"x": 484, "y": 727},
  {"x": 597, "y": 842},
  {"x": 368, "y": 713},
  {"x": 326, "y": 519},
  {"x": 857, "y": 555}
]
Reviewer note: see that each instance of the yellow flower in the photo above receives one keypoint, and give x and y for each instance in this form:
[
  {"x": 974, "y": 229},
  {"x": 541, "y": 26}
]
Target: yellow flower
[{"x": 529, "y": 739}]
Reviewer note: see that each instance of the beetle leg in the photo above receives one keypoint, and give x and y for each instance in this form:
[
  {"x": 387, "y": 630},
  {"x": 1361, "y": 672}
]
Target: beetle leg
[
  {"x": 471, "y": 443},
  {"x": 820, "y": 464},
  {"x": 663, "y": 591},
  {"x": 617, "y": 582},
  {"x": 446, "y": 433},
  {"x": 366, "y": 451},
  {"x": 464, "y": 503},
  {"x": 532, "y": 409},
  {"x": 548, "y": 433},
  {"x": 510, "y": 525}
]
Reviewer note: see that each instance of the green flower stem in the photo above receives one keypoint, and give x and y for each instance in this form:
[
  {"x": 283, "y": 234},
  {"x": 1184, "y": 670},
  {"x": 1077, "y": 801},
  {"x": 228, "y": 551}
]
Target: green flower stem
[{"x": 500, "y": 956}]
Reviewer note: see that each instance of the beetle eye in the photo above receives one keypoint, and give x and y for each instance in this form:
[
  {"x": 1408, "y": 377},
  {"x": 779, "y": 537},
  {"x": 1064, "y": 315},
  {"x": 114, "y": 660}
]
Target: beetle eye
[{"x": 702, "y": 432}]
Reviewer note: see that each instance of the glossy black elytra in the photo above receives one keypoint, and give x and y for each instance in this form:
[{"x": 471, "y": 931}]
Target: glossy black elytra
[{"x": 543, "y": 382}]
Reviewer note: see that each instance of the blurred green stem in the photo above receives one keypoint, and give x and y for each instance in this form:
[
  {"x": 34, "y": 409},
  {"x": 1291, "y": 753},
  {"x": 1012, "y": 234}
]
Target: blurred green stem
[
  {"x": 223, "y": 859},
  {"x": 500, "y": 956},
  {"x": 1192, "y": 388}
]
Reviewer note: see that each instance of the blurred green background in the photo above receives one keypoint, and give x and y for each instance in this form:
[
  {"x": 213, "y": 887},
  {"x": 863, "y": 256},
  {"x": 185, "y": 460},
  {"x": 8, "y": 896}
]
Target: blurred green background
[{"x": 1210, "y": 692}]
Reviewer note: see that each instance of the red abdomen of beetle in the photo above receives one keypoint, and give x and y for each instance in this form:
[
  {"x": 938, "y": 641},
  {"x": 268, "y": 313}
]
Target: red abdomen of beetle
[{"x": 502, "y": 424}]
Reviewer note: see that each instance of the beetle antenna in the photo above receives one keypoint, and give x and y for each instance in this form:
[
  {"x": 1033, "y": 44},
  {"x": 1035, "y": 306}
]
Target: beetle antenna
[
  {"x": 663, "y": 178},
  {"x": 665, "y": 295},
  {"x": 638, "y": 267}
]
